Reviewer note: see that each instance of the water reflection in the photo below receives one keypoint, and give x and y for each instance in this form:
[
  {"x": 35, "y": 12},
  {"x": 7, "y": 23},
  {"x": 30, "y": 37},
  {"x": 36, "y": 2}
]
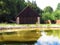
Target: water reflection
[
  {"x": 48, "y": 39},
  {"x": 18, "y": 43}
]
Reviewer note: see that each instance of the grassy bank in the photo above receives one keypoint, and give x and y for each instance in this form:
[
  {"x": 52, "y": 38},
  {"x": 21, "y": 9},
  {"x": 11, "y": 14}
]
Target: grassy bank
[{"x": 14, "y": 24}]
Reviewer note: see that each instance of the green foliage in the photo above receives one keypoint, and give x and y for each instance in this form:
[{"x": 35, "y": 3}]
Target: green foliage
[
  {"x": 56, "y": 14},
  {"x": 10, "y": 8},
  {"x": 58, "y": 6},
  {"x": 48, "y": 9},
  {"x": 47, "y": 16},
  {"x": 3, "y": 8},
  {"x": 50, "y": 15},
  {"x": 34, "y": 6}
]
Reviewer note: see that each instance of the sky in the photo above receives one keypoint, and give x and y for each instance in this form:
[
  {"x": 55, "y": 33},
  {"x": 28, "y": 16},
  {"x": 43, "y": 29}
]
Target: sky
[{"x": 43, "y": 3}]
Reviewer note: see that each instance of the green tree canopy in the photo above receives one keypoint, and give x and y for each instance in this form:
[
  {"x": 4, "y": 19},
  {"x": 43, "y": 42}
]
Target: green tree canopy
[
  {"x": 47, "y": 16},
  {"x": 57, "y": 14},
  {"x": 10, "y": 8},
  {"x": 34, "y": 6},
  {"x": 48, "y": 9},
  {"x": 58, "y": 6}
]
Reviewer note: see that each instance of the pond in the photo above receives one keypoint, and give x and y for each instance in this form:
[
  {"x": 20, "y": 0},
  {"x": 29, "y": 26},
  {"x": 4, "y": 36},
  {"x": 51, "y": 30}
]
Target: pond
[
  {"x": 47, "y": 38},
  {"x": 18, "y": 43}
]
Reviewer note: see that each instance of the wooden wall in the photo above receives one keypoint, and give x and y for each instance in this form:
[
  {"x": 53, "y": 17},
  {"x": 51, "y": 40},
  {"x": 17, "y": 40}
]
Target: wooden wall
[{"x": 28, "y": 20}]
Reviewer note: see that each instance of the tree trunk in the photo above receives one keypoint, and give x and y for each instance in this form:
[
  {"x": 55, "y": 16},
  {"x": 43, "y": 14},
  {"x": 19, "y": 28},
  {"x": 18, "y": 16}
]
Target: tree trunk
[{"x": 48, "y": 22}]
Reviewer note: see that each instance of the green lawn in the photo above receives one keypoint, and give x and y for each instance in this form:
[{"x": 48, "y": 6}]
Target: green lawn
[{"x": 5, "y": 24}]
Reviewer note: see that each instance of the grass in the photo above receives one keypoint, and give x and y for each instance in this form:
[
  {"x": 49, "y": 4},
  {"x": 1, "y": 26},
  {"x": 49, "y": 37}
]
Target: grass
[{"x": 13, "y": 24}]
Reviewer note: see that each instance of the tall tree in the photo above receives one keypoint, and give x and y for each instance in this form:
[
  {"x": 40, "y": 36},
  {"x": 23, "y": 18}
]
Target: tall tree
[
  {"x": 10, "y": 8},
  {"x": 57, "y": 14},
  {"x": 48, "y": 9},
  {"x": 47, "y": 14},
  {"x": 34, "y": 6},
  {"x": 4, "y": 10},
  {"x": 58, "y": 6}
]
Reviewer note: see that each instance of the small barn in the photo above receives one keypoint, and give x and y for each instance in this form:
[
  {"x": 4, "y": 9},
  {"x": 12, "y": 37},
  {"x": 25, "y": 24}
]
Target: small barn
[{"x": 28, "y": 16}]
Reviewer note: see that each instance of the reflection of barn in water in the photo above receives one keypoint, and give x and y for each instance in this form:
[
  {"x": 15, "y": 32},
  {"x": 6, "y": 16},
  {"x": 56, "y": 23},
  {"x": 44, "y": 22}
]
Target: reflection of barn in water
[
  {"x": 18, "y": 43},
  {"x": 27, "y": 16}
]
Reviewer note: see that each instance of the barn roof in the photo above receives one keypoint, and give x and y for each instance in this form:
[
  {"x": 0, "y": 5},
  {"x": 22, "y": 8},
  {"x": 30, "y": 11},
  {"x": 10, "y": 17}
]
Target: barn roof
[{"x": 28, "y": 12}]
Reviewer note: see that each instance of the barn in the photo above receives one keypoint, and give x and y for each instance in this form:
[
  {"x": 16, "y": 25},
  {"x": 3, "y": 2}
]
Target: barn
[{"x": 28, "y": 16}]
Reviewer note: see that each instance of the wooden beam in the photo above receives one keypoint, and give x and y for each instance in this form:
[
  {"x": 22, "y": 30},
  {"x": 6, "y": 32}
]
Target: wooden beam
[
  {"x": 38, "y": 20},
  {"x": 17, "y": 20}
]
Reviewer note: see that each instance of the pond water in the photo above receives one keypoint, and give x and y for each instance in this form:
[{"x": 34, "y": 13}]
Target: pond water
[
  {"x": 18, "y": 43},
  {"x": 47, "y": 38}
]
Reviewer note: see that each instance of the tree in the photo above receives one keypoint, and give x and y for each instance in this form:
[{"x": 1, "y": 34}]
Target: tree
[
  {"x": 10, "y": 8},
  {"x": 3, "y": 8},
  {"x": 48, "y": 9},
  {"x": 58, "y": 6},
  {"x": 47, "y": 16},
  {"x": 34, "y": 6},
  {"x": 57, "y": 14}
]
